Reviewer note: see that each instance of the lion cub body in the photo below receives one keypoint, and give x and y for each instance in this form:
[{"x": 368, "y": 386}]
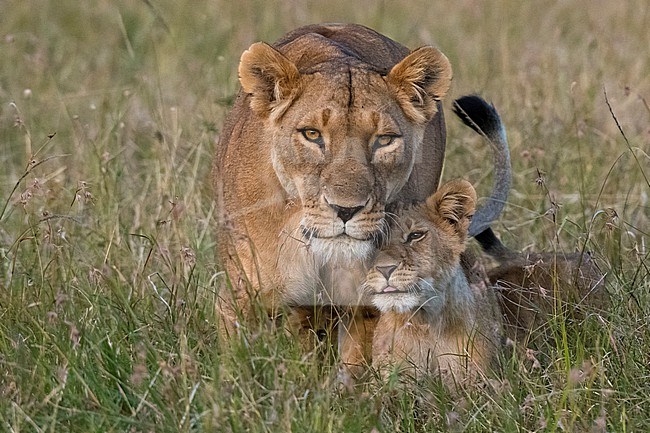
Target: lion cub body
[{"x": 432, "y": 319}]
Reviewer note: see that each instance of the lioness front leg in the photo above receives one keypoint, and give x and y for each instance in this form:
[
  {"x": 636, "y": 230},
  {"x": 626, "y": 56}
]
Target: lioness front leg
[
  {"x": 234, "y": 306},
  {"x": 312, "y": 326},
  {"x": 356, "y": 328}
]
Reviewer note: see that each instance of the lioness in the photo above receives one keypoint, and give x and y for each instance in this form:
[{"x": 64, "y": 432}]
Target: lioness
[
  {"x": 334, "y": 124},
  {"x": 533, "y": 286},
  {"x": 432, "y": 320}
]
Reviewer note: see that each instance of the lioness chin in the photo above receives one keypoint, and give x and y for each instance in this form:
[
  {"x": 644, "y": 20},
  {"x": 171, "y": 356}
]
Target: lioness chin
[{"x": 432, "y": 319}]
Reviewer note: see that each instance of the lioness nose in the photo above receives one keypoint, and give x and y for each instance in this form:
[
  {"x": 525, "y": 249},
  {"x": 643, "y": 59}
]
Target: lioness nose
[
  {"x": 345, "y": 213},
  {"x": 386, "y": 271}
]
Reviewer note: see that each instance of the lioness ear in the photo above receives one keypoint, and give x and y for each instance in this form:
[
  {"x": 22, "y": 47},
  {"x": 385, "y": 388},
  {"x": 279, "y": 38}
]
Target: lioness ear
[
  {"x": 272, "y": 80},
  {"x": 420, "y": 80},
  {"x": 454, "y": 203}
]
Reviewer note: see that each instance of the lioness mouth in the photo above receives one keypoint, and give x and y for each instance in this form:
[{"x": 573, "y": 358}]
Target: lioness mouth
[{"x": 312, "y": 233}]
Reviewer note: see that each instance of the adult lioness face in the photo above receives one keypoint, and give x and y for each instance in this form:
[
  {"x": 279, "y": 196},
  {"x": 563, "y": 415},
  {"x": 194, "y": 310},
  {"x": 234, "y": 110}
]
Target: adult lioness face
[{"x": 344, "y": 138}]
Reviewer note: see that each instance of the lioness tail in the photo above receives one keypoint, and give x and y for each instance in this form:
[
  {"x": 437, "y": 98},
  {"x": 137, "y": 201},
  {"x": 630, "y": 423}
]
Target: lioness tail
[
  {"x": 493, "y": 246},
  {"x": 483, "y": 118}
]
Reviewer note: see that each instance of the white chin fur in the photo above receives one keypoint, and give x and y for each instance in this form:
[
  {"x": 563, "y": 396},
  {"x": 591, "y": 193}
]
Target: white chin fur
[
  {"x": 341, "y": 249},
  {"x": 405, "y": 302},
  {"x": 398, "y": 302}
]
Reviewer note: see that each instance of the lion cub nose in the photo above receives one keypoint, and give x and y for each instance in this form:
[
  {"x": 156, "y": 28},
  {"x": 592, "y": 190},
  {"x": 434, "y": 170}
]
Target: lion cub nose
[
  {"x": 345, "y": 213},
  {"x": 386, "y": 271}
]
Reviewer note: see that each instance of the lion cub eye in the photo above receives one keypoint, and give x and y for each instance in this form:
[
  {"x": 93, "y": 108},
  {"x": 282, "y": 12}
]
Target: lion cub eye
[
  {"x": 383, "y": 141},
  {"x": 313, "y": 135},
  {"x": 415, "y": 236}
]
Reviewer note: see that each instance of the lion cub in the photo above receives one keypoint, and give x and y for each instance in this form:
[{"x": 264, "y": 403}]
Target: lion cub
[{"x": 432, "y": 319}]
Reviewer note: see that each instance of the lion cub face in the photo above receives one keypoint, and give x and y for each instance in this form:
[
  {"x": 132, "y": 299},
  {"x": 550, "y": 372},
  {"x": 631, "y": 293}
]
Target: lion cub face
[
  {"x": 424, "y": 250},
  {"x": 344, "y": 138}
]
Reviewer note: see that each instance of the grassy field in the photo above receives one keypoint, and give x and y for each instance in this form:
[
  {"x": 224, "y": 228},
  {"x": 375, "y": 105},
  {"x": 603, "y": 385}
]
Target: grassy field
[{"x": 109, "y": 114}]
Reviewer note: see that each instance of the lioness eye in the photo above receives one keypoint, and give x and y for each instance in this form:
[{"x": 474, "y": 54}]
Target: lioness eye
[
  {"x": 383, "y": 141},
  {"x": 312, "y": 135},
  {"x": 415, "y": 236}
]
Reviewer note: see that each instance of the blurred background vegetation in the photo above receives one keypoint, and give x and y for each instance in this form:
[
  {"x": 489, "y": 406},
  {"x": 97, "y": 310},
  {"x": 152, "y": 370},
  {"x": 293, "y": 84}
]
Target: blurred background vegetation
[{"x": 109, "y": 114}]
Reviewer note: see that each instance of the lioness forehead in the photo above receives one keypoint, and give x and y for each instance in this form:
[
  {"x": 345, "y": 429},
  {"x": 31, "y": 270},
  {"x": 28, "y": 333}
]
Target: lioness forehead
[
  {"x": 358, "y": 97},
  {"x": 348, "y": 85}
]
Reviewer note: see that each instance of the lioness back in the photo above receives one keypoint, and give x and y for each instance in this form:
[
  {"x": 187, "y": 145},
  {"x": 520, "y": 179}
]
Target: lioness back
[{"x": 532, "y": 287}]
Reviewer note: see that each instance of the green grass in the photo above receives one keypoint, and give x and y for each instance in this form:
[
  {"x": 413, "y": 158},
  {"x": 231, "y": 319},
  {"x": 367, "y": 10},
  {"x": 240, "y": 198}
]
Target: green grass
[{"x": 109, "y": 112}]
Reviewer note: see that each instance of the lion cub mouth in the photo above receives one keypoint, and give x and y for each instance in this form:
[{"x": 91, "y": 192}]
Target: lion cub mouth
[{"x": 391, "y": 290}]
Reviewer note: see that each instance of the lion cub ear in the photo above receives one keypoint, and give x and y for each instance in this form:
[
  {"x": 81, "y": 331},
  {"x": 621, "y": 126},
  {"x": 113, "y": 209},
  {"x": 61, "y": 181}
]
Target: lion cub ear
[
  {"x": 421, "y": 79},
  {"x": 272, "y": 80},
  {"x": 453, "y": 205}
]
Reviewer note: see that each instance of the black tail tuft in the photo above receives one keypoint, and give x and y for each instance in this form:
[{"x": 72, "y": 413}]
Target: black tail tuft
[
  {"x": 491, "y": 244},
  {"x": 478, "y": 114}
]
